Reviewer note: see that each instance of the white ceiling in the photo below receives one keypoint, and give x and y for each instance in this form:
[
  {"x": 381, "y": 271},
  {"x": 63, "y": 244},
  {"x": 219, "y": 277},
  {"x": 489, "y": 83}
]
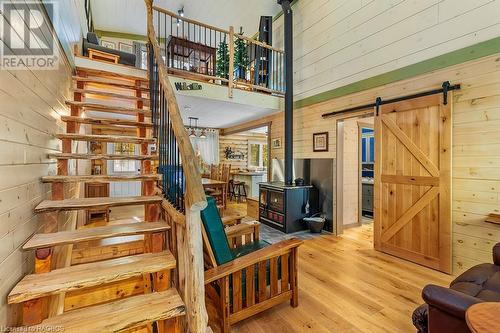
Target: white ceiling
[
  {"x": 129, "y": 16},
  {"x": 218, "y": 114}
]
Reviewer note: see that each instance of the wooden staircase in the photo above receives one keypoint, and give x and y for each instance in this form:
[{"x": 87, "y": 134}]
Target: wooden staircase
[{"x": 119, "y": 287}]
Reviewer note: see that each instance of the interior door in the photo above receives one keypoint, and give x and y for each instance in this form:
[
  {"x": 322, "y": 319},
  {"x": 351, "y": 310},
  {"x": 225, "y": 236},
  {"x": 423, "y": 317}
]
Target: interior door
[{"x": 413, "y": 181}]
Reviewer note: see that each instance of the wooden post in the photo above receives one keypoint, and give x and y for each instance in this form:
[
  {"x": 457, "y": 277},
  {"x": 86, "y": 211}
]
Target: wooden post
[
  {"x": 294, "y": 284},
  {"x": 190, "y": 244},
  {"x": 230, "y": 84},
  {"x": 191, "y": 278},
  {"x": 34, "y": 311}
]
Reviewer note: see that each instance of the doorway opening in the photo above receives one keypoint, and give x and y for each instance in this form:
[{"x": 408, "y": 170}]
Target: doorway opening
[{"x": 247, "y": 152}]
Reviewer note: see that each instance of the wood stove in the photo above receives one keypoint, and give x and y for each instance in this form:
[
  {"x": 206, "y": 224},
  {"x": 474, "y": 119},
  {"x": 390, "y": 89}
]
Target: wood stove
[{"x": 284, "y": 206}]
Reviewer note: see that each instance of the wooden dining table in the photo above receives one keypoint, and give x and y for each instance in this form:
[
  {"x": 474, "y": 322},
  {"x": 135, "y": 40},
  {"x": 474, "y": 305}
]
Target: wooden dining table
[{"x": 216, "y": 184}]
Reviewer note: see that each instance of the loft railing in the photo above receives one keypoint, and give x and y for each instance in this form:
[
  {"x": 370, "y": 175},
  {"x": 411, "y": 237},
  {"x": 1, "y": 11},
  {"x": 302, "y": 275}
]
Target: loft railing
[
  {"x": 181, "y": 184},
  {"x": 200, "y": 51},
  {"x": 88, "y": 16}
]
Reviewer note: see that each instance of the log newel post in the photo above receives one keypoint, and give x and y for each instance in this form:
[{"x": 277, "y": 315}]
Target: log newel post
[{"x": 191, "y": 284}]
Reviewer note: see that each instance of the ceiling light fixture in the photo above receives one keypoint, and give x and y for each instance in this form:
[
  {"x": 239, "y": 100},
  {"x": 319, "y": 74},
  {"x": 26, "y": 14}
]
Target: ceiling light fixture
[
  {"x": 203, "y": 134},
  {"x": 181, "y": 14}
]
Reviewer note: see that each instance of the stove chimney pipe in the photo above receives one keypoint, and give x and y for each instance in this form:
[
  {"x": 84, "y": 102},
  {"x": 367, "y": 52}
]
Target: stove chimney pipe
[{"x": 288, "y": 15}]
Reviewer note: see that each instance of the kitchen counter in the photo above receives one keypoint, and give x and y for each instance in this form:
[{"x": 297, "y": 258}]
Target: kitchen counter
[
  {"x": 248, "y": 173},
  {"x": 252, "y": 180}
]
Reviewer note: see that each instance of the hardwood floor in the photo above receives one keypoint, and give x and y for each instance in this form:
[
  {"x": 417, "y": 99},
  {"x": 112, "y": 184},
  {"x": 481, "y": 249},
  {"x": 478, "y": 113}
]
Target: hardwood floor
[{"x": 347, "y": 286}]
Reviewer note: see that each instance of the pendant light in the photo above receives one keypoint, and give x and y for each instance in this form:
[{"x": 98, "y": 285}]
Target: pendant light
[
  {"x": 203, "y": 134},
  {"x": 193, "y": 133}
]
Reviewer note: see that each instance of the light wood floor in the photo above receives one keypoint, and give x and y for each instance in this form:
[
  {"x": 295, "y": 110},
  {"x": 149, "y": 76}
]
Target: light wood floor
[{"x": 346, "y": 286}]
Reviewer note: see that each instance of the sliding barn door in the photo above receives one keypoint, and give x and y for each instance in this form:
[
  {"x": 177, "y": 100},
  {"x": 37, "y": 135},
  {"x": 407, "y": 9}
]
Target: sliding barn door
[{"x": 413, "y": 181}]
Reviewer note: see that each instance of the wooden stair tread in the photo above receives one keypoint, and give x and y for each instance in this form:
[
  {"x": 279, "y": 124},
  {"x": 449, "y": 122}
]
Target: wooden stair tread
[
  {"x": 95, "y": 233},
  {"x": 119, "y": 315},
  {"x": 98, "y": 178},
  {"x": 109, "y": 74},
  {"x": 77, "y": 277},
  {"x": 94, "y": 203},
  {"x": 67, "y": 156},
  {"x": 109, "y": 108},
  {"x": 110, "y": 82},
  {"x": 106, "y": 121},
  {"x": 110, "y": 94},
  {"x": 104, "y": 138}
]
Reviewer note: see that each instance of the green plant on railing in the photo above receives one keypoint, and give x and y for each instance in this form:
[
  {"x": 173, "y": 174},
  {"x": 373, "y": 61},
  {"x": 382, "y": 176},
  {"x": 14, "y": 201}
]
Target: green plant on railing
[
  {"x": 240, "y": 57},
  {"x": 222, "y": 66}
]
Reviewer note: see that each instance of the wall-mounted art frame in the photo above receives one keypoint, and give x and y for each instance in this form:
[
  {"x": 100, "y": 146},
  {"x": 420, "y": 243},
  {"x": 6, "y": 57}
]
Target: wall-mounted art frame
[
  {"x": 108, "y": 44},
  {"x": 124, "y": 47},
  {"x": 320, "y": 142},
  {"x": 276, "y": 143}
]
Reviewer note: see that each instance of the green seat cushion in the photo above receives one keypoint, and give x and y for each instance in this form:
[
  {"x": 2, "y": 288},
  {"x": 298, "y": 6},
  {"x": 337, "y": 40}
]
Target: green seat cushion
[
  {"x": 249, "y": 248},
  {"x": 215, "y": 233}
]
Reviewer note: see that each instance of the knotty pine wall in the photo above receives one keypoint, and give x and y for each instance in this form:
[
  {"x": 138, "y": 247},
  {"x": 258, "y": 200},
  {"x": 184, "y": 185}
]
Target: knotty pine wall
[
  {"x": 476, "y": 143},
  {"x": 32, "y": 103},
  {"x": 238, "y": 143},
  {"x": 339, "y": 42}
]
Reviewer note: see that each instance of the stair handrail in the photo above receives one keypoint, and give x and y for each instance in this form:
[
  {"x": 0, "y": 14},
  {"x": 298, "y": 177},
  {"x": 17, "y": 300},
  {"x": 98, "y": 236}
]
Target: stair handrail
[
  {"x": 190, "y": 258},
  {"x": 195, "y": 194}
]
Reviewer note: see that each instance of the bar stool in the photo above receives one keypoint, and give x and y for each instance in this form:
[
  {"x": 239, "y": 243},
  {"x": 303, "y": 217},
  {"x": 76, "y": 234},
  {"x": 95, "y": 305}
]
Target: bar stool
[
  {"x": 230, "y": 189},
  {"x": 239, "y": 190}
]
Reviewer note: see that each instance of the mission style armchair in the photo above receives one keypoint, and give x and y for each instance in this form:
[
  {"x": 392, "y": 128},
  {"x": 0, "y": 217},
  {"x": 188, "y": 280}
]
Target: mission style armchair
[{"x": 244, "y": 275}]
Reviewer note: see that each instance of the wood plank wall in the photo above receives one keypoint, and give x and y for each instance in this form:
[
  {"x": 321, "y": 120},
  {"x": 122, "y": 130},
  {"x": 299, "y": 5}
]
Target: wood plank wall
[
  {"x": 350, "y": 170},
  {"x": 476, "y": 143},
  {"x": 32, "y": 102},
  {"x": 341, "y": 42},
  {"x": 238, "y": 143}
]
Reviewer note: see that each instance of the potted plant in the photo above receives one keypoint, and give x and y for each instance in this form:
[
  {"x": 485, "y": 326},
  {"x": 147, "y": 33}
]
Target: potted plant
[
  {"x": 222, "y": 65},
  {"x": 240, "y": 57}
]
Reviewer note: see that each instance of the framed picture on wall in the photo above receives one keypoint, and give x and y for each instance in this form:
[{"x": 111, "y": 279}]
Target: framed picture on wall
[
  {"x": 108, "y": 44},
  {"x": 320, "y": 142},
  {"x": 125, "y": 47},
  {"x": 276, "y": 143}
]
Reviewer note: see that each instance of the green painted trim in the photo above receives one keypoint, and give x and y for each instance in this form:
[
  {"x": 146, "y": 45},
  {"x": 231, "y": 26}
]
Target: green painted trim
[
  {"x": 123, "y": 35},
  {"x": 473, "y": 52}
]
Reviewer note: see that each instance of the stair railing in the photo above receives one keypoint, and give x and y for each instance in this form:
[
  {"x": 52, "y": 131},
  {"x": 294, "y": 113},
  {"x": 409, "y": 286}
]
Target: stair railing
[{"x": 181, "y": 183}]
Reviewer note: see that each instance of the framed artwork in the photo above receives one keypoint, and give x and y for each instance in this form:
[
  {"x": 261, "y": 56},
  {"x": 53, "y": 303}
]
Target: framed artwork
[
  {"x": 276, "y": 143},
  {"x": 108, "y": 44},
  {"x": 125, "y": 47},
  {"x": 320, "y": 142}
]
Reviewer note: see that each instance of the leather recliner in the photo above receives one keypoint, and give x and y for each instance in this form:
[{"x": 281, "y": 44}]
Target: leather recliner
[{"x": 445, "y": 308}]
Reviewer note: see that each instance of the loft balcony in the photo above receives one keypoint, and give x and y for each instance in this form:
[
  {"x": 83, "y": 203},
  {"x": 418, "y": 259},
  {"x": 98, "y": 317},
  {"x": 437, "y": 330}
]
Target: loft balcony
[{"x": 225, "y": 57}]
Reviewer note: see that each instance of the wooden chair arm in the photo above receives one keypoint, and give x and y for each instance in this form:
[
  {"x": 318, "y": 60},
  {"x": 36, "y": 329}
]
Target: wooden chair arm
[
  {"x": 243, "y": 229},
  {"x": 253, "y": 258},
  {"x": 231, "y": 219}
]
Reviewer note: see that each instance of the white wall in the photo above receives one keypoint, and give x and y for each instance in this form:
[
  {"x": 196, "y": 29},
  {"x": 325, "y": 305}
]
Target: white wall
[
  {"x": 338, "y": 42},
  {"x": 31, "y": 104},
  {"x": 70, "y": 23}
]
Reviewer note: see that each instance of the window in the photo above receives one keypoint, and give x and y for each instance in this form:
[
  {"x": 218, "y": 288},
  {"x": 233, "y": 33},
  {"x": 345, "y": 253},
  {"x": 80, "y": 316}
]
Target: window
[
  {"x": 124, "y": 165},
  {"x": 257, "y": 155}
]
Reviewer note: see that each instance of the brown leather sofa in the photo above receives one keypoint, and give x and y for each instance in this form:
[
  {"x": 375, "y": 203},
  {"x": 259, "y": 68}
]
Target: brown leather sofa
[{"x": 445, "y": 308}]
